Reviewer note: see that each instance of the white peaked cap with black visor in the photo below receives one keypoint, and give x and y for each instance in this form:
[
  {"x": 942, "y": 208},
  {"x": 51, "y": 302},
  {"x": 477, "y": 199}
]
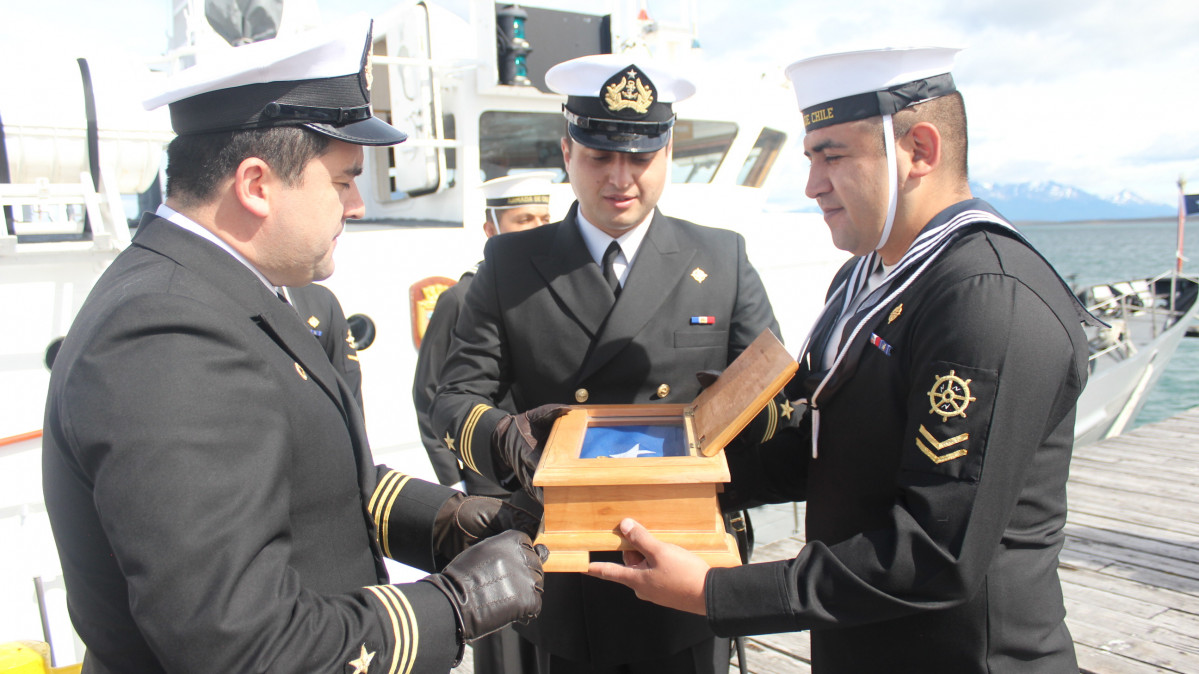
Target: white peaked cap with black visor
[
  {"x": 838, "y": 88},
  {"x": 514, "y": 191},
  {"x": 619, "y": 102},
  {"x": 319, "y": 79}
]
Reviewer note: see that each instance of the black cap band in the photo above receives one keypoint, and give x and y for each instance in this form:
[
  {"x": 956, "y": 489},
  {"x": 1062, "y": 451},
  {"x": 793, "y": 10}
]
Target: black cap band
[
  {"x": 875, "y": 103},
  {"x": 619, "y": 126},
  {"x": 254, "y": 106},
  {"x": 523, "y": 200}
]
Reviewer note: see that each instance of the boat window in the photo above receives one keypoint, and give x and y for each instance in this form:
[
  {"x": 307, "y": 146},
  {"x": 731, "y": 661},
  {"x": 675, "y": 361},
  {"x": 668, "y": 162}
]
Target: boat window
[
  {"x": 699, "y": 148},
  {"x": 407, "y": 96},
  {"x": 513, "y": 142},
  {"x": 761, "y": 158}
]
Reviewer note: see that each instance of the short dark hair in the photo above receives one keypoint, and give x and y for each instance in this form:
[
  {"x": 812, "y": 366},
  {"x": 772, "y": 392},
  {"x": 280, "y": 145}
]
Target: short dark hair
[
  {"x": 948, "y": 114},
  {"x": 197, "y": 164}
]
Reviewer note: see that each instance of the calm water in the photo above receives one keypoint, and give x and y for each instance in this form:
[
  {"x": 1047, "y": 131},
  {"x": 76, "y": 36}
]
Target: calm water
[{"x": 1116, "y": 250}]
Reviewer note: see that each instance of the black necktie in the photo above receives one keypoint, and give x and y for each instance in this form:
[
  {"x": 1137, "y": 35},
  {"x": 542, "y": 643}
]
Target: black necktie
[{"x": 608, "y": 264}]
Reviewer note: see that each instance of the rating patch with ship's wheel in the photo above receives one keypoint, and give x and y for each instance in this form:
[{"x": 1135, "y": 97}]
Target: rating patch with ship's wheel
[{"x": 950, "y": 396}]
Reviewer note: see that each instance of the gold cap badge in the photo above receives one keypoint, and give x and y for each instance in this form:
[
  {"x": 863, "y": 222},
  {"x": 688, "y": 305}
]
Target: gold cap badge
[{"x": 627, "y": 90}]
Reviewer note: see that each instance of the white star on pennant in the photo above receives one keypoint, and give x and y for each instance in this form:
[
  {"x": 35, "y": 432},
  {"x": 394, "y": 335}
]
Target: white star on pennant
[{"x": 363, "y": 662}]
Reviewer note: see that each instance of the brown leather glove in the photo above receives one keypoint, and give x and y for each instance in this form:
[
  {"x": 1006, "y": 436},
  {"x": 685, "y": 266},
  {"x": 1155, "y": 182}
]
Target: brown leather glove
[
  {"x": 493, "y": 584},
  {"x": 519, "y": 439},
  {"x": 465, "y": 520}
]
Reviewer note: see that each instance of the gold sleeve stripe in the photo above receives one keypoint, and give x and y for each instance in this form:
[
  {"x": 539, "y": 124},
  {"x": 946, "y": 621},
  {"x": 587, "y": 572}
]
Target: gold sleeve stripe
[
  {"x": 381, "y": 503},
  {"x": 465, "y": 444},
  {"x": 772, "y": 422},
  {"x": 404, "y": 628}
]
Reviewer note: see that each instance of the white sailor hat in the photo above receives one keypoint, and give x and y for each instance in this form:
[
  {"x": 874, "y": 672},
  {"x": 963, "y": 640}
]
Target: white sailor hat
[
  {"x": 522, "y": 189},
  {"x": 616, "y": 104},
  {"x": 838, "y": 88},
  {"x": 319, "y": 79}
]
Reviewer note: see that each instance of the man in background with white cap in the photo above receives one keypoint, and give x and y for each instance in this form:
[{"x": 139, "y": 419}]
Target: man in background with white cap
[
  {"x": 511, "y": 204},
  {"x": 206, "y": 470},
  {"x": 617, "y": 303},
  {"x": 933, "y": 531}
]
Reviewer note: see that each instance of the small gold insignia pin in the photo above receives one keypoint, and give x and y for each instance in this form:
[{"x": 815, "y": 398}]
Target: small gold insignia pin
[
  {"x": 448, "y": 440},
  {"x": 363, "y": 663},
  {"x": 786, "y": 409},
  {"x": 895, "y": 313},
  {"x": 582, "y": 395},
  {"x": 300, "y": 371},
  {"x": 350, "y": 339},
  {"x": 313, "y": 321},
  {"x": 699, "y": 275},
  {"x": 938, "y": 445},
  {"x": 950, "y": 396},
  {"x": 663, "y": 390}
]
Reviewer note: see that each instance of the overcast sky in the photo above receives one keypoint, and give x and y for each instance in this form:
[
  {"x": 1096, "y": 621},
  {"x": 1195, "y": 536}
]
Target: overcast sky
[{"x": 1102, "y": 95}]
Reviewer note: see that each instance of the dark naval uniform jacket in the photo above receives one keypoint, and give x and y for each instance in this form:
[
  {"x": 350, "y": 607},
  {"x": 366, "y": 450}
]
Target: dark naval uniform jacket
[
  {"x": 210, "y": 487},
  {"x": 937, "y": 500},
  {"x": 434, "y": 347},
  {"x": 323, "y": 316},
  {"x": 542, "y": 325}
]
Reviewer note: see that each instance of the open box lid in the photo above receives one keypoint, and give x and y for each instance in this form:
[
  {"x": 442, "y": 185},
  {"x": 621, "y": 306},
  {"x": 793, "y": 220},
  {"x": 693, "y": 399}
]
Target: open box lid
[{"x": 723, "y": 409}]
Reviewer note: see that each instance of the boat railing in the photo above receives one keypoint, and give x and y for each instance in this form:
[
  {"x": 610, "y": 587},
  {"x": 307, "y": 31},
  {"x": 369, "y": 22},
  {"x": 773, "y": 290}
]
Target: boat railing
[
  {"x": 1144, "y": 301},
  {"x": 103, "y": 230}
]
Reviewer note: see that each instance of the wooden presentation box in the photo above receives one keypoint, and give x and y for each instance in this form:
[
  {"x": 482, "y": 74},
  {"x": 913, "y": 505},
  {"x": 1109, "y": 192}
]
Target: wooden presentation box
[{"x": 662, "y": 465}]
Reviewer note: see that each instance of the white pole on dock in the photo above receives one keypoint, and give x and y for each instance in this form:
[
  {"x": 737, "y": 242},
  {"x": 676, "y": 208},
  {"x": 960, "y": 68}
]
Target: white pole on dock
[{"x": 1182, "y": 217}]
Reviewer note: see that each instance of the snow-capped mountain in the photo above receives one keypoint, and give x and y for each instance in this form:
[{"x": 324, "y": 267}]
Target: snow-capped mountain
[{"x": 1058, "y": 202}]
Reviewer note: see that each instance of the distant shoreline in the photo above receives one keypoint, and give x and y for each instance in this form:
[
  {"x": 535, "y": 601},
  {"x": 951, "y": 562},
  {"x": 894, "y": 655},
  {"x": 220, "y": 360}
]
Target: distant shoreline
[{"x": 1098, "y": 221}]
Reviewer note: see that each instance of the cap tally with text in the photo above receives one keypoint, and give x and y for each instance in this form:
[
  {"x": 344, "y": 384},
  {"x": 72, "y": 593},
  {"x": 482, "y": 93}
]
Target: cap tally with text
[
  {"x": 616, "y": 104},
  {"x": 837, "y": 88},
  {"x": 319, "y": 79},
  {"x": 523, "y": 189}
]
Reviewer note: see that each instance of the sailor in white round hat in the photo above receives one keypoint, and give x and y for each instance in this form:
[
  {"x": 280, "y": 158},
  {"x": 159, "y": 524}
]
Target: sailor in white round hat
[
  {"x": 517, "y": 202},
  {"x": 616, "y": 304},
  {"x": 206, "y": 469},
  {"x": 940, "y": 383}
]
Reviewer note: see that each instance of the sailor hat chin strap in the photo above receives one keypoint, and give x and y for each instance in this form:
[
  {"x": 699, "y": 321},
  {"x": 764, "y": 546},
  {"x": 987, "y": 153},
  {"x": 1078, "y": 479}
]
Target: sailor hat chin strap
[{"x": 892, "y": 179}]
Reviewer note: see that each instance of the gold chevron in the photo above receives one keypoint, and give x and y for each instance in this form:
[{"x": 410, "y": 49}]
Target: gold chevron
[{"x": 940, "y": 445}]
